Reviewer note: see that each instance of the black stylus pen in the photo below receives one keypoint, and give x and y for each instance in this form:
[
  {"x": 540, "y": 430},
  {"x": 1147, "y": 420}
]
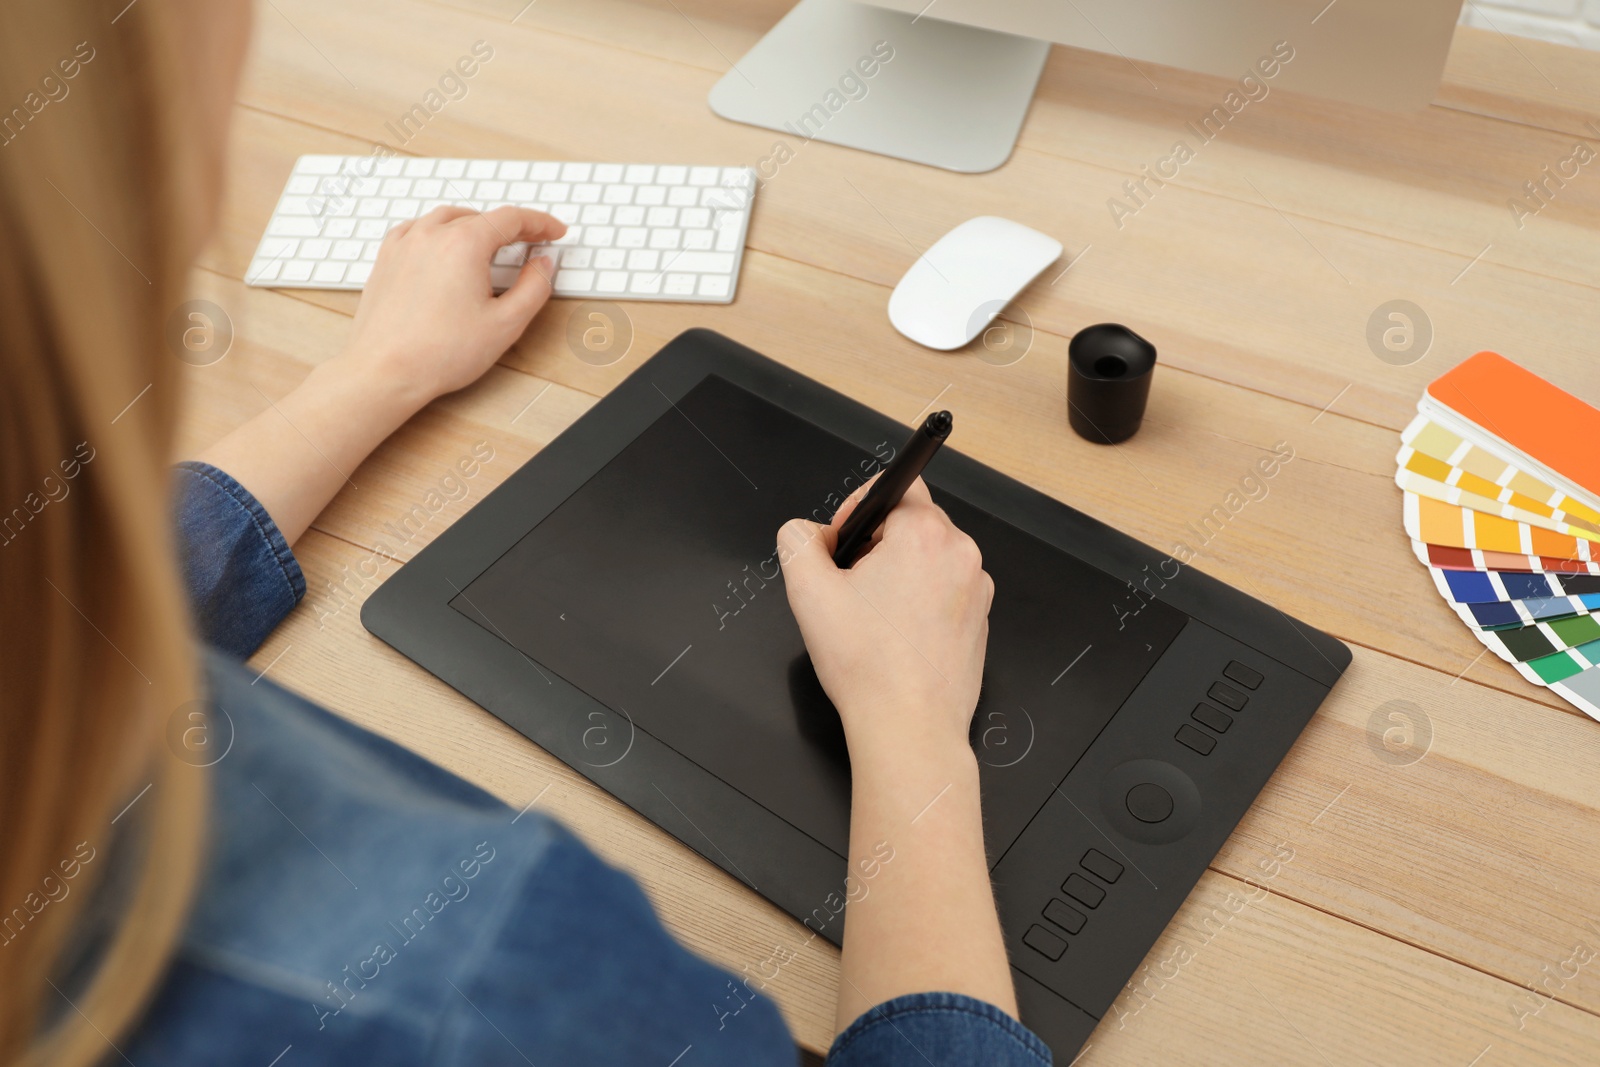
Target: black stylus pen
[{"x": 891, "y": 486}]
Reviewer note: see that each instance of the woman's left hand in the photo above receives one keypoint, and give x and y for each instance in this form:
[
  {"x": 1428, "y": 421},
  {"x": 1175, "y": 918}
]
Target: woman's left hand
[{"x": 429, "y": 321}]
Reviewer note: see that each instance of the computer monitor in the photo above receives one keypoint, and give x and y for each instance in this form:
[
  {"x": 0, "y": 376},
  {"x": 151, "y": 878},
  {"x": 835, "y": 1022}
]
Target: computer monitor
[{"x": 948, "y": 82}]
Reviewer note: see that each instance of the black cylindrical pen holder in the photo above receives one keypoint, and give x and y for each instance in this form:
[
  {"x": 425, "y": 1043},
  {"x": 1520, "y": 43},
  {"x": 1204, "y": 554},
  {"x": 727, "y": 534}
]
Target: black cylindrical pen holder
[{"x": 1108, "y": 381}]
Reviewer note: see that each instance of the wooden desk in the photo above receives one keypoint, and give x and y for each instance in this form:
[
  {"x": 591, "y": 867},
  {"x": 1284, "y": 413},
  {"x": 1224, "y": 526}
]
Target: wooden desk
[{"x": 1393, "y": 912}]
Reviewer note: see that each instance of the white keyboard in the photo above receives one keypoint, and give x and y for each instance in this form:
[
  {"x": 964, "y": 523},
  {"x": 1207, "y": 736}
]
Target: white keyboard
[{"x": 634, "y": 231}]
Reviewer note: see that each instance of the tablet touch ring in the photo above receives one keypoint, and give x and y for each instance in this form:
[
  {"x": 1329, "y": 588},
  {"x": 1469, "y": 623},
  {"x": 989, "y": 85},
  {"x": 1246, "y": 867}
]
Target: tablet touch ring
[{"x": 1151, "y": 801}]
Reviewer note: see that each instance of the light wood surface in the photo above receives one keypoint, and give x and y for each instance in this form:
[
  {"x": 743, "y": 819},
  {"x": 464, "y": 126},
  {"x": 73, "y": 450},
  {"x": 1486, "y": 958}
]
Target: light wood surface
[{"x": 1430, "y": 911}]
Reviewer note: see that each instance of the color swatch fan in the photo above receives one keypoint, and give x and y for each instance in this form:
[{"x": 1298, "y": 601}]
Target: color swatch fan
[{"x": 1501, "y": 474}]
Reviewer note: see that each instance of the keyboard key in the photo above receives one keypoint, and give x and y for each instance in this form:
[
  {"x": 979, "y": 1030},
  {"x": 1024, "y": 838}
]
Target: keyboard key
[
  {"x": 301, "y": 185},
  {"x": 714, "y": 285},
  {"x": 358, "y": 273},
  {"x": 1198, "y": 740},
  {"x": 596, "y": 214},
  {"x": 277, "y": 247},
  {"x": 647, "y": 284},
  {"x": 419, "y": 168},
  {"x": 405, "y": 209},
  {"x": 681, "y": 284},
  {"x": 728, "y": 238},
  {"x": 298, "y": 270},
  {"x": 491, "y": 190},
  {"x": 395, "y": 187},
  {"x": 1044, "y": 942},
  {"x": 339, "y": 228},
  {"x": 702, "y": 262},
  {"x": 450, "y": 168},
  {"x": 370, "y": 253},
  {"x": 328, "y": 271},
  {"x": 644, "y": 259},
  {"x": 650, "y": 195},
  {"x": 388, "y": 168},
  {"x": 299, "y": 205},
  {"x": 639, "y": 174},
  {"x": 683, "y": 196},
  {"x": 575, "y": 281},
  {"x": 660, "y": 217},
  {"x": 586, "y": 193},
  {"x": 293, "y": 227},
  {"x": 1212, "y": 717},
  {"x": 738, "y": 177},
  {"x": 511, "y": 256},
  {"x": 578, "y": 258},
  {"x": 618, "y": 194},
  {"x": 1101, "y": 866},
  {"x": 665, "y": 238},
  {"x": 606, "y": 173},
  {"x": 358, "y": 185},
  {"x": 555, "y": 192},
  {"x": 1227, "y": 696},
  {"x": 544, "y": 172},
  {"x": 1065, "y": 915},
  {"x": 704, "y": 175},
  {"x": 573, "y": 235},
  {"x": 672, "y": 175},
  {"x": 612, "y": 281},
  {"x": 610, "y": 259},
  {"x": 1245, "y": 676},
  {"x": 315, "y": 249},
  {"x": 482, "y": 168},
  {"x": 632, "y": 237},
  {"x": 576, "y": 172},
  {"x": 367, "y": 229},
  {"x": 372, "y": 208},
  {"x": 263, "y": 270},
  {"x": 1083, "y": 891},
  {"x": 632, "y": 215},
  {"x": 599, "y": 236},
  {"x": 523, "y": 190},
  {"x": 346, "y": 249},
  {"x": 694, "y": 218},
  {"x": 698, "y": 240},
  {"x": 512, "y": 170}
]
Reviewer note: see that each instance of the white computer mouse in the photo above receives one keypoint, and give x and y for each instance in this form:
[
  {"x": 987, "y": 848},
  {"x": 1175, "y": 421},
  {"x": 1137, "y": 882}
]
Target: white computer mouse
[{"x": 958, "y": 286}]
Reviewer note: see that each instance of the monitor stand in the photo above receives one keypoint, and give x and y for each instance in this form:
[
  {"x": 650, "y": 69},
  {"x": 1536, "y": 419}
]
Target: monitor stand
[{"x": 939, "y": 93}]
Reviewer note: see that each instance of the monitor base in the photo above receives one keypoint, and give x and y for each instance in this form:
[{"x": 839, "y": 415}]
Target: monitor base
[{"x": 939, "y": 93}]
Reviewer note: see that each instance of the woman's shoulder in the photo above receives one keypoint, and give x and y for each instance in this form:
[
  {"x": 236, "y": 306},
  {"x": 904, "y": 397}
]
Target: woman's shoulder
[{"x": 362, "y": 903}]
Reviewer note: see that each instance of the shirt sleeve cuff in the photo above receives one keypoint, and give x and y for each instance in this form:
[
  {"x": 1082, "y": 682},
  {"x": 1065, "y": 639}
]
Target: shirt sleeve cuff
[
  {"x": 240, "y": 574},
  {"x": 941, "y": 1028}
]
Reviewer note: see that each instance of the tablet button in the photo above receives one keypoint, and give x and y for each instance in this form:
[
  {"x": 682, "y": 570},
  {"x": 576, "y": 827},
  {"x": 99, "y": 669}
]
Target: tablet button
[
  {"x": 1148, "y": 802},
  {"x": 1101, "y": 866},
  {"x": 1198, "y": 740},
  {"x": 1245, "y": 676},
  {"x": 1044, "y": 942},
  {"x": 1227, "y": 696},
  {"x": 1210, "y": 716},
  {"x": 1064, "y": 915},
  {"x": 1084, "y": 891}
]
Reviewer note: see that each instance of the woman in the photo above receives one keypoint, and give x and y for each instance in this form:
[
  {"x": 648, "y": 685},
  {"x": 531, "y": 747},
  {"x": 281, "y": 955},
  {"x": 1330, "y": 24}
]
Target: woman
[{"x": 320, "y": 895}]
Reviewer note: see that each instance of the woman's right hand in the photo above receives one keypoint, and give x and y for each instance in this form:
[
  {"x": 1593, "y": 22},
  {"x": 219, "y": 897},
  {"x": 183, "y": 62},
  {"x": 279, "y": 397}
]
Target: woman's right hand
[{"x": 898, "y": 639}]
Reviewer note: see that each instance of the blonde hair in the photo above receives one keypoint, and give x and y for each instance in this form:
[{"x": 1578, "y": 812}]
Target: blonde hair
[{"x": 96, "y": 654}]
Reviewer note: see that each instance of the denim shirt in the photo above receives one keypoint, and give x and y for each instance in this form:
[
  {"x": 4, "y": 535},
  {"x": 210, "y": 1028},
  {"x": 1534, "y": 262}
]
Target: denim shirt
[{"x": 362, "y": 905}]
